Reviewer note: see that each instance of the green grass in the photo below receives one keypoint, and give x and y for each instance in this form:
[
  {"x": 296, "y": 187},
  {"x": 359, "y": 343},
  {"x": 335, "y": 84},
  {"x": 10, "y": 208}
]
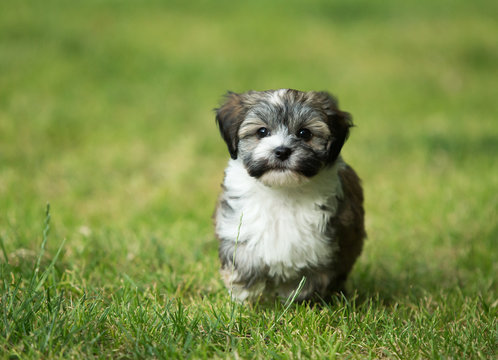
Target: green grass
[{"x": 106, "y": 114}]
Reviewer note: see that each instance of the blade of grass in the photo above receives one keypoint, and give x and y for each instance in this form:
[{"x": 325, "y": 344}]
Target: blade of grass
[
  {"x": 46, "y": 230},
  {"x": 289, "y": 301},
  {"x": 2, "y": 246}
]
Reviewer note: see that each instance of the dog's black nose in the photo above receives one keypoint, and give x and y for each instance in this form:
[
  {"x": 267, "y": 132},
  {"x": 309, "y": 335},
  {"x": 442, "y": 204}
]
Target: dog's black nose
[{"x": 282, "y": 152}]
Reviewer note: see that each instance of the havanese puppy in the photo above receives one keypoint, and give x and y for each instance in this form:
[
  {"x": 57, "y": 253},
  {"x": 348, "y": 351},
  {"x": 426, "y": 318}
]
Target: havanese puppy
[{"x": 291, "y": 208}]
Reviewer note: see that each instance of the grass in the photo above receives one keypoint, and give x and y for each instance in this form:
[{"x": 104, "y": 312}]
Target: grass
[{"x": 106, "y": 114}]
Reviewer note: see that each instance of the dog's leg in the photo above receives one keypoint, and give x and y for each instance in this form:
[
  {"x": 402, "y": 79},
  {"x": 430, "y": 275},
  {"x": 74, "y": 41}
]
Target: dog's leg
[{"x": 241, "y": 291}]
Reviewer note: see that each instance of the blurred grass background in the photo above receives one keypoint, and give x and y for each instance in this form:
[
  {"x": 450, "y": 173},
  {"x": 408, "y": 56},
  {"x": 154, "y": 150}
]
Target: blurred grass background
[{"x": 106, "y": 112}]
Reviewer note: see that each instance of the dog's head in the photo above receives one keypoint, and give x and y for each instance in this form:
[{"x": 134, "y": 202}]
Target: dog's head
[{"x": 283, "y": 137}]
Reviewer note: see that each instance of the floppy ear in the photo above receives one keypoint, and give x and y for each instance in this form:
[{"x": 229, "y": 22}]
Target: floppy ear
[
  {"x": 229, "y": 117},
  {"x": 338, "y": 121}
]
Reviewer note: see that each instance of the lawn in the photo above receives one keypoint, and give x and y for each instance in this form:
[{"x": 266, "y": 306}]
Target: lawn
[{"x": 106, "y": 114}]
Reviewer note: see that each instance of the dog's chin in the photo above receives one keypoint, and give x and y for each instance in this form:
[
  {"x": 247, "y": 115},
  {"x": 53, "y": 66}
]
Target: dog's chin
[{"x": 282, "y": 178}]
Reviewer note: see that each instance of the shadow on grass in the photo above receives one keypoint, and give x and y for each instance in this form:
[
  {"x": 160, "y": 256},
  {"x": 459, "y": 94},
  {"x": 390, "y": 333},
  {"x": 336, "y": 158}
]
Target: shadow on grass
[{"x": 418, "y": 281}]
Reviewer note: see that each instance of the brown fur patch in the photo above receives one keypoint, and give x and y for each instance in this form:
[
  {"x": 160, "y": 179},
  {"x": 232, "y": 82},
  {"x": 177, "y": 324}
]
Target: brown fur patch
[
  {"x": 349, "y": 223},
  {"x": 229, "y": 117},
  {"x": 338, "y": 121}
]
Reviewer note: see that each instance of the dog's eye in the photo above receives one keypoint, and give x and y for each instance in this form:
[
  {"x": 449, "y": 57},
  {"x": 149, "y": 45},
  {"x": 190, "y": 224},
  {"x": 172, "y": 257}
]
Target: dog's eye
[
  {"x": 304, "y": 134},
  {"x": 263, "y": 132}
]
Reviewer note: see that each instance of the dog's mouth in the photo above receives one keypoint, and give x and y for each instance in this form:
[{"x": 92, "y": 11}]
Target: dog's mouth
[
  {"x": 282, "y": 166},
  {"x": 307, "y": 168},
  {"x": 282, "y": 177},
  {"x": 277, "y": 174},
  {"x": 259, "y": 168}
]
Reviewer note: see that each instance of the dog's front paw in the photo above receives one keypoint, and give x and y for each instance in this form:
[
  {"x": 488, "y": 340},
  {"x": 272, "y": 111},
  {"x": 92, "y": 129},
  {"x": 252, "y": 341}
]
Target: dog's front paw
[{"x": 239, "y": 290}]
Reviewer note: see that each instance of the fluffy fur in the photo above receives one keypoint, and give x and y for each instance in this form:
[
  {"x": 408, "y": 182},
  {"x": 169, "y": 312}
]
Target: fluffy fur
[{"x": 290, "y": 206}]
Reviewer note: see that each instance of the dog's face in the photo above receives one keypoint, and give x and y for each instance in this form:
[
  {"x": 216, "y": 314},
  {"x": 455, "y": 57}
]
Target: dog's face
[{"x": 283, "y": 137}]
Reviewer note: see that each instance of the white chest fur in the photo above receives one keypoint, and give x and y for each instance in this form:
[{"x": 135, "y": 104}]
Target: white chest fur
[{"x": 281, "y": 229}]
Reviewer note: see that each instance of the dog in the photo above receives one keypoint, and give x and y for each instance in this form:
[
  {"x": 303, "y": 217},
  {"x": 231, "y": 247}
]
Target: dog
[{"x": 291, "y": 210}]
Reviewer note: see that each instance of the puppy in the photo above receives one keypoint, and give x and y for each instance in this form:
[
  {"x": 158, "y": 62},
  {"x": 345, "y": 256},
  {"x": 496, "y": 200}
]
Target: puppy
[{"x": 290, "y": 206}]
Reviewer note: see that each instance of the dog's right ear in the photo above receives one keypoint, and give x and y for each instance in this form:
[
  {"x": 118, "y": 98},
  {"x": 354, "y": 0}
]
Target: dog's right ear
[{"x": 229, "y": 117}]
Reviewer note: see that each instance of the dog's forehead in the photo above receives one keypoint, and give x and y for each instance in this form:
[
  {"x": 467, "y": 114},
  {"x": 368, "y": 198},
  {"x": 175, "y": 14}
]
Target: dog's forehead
[{"x": 284, "y": 106}]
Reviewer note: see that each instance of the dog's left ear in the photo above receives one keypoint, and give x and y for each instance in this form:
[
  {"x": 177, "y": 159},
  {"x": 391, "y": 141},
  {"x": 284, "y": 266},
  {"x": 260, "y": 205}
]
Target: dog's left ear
[
  {"x": 338, "y": 121},
  {"x": 229, "y": 117}
]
